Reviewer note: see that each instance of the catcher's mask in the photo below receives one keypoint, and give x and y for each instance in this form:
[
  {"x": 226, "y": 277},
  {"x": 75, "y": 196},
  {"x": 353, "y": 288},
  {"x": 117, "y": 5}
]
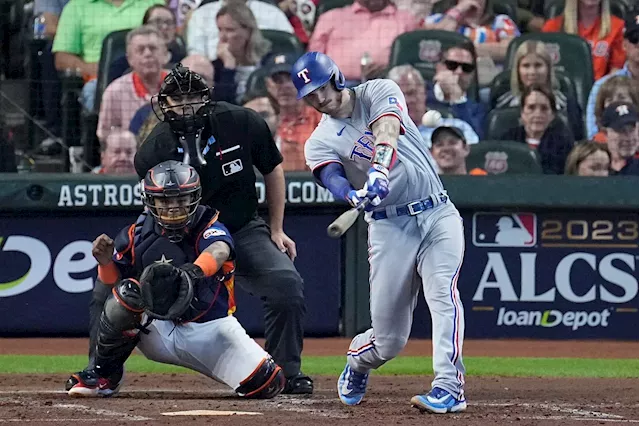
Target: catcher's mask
[
  {"x": 181, "y": 99},
  {"x": 172, "y": 192}
]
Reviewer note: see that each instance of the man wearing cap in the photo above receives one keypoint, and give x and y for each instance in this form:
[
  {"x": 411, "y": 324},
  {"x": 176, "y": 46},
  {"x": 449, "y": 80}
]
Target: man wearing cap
[
  {"x": 620, "y": 122},
  {"x": 297, "y": 119},
  {"x": 630, "y": 69},
  {"x": 450, "y": 150}
]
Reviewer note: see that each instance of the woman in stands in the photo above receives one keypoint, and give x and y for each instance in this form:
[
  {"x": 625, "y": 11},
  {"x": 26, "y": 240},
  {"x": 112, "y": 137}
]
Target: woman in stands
[
  {"x": 490, "y": 33},
  {"x": 593, "y": 21},
  {"x": 164, "y": 20},
  {"x": 240, "y": 49},
  {"x": 533, "y": 65},
  {"x": 588, "y": 158},
  {"x": 618, "y": 88},
  {"x": 542, "y": 130}
]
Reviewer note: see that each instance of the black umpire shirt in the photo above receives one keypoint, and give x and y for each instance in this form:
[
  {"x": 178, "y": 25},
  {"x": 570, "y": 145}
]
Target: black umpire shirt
[{"x": 234, "y": 140}]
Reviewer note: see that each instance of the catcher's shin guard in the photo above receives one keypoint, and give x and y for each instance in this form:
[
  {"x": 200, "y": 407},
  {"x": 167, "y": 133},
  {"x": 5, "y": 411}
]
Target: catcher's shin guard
[
  {"x": 267, "y": 381},
  {"x": 118, "y": 328}
]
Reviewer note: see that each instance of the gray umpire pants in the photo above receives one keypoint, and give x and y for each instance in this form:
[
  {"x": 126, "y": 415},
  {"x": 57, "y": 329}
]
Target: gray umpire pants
[{"x": 263, "y": 271}]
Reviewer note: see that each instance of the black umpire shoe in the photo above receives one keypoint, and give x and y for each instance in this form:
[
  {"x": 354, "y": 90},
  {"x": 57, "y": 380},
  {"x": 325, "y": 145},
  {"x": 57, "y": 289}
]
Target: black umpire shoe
[{"x": 300, "y": 384}]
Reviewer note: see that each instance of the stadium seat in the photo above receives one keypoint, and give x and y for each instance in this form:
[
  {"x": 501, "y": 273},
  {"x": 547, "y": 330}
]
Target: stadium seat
[
  {"x": 553, "y": 8},
  {"x": 571, "y": 55},
  {"x": 499, "y": 7},
  {"x": 283, "y": 42},
  {"x": 423, "y": 49},
  {"x": 113, "y": 47},
  {"x": 503, "y": 157},
  {"x": 501, "y": 84},
  {"x": 255, "y": 83}
]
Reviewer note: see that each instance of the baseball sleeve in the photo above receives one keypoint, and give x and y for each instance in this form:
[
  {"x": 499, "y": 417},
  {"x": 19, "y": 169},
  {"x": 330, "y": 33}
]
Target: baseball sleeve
[{"x": 384, "y": 98}]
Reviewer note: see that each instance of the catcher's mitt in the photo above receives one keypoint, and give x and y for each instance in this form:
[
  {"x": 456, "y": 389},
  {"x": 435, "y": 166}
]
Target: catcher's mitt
[{"x": 166, "y": 291}]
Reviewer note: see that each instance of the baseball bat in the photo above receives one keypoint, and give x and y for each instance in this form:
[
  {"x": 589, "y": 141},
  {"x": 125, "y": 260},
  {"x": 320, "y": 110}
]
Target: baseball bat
[{"x": 342, "y": 224}]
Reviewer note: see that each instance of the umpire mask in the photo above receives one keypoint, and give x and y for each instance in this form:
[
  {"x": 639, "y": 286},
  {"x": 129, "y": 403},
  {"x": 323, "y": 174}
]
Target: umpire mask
[
  {"x": 182, "y": 100},
  {"x": 172, "y": 193}
]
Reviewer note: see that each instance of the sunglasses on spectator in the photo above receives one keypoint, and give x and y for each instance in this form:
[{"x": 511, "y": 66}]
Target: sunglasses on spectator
[
  {"x": 161, "y": 22},
  {"x": 453, "y": 65}
]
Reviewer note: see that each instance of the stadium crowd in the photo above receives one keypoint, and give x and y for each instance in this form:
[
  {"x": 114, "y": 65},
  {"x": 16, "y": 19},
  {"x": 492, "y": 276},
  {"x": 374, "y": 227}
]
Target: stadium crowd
[{"x": 547, "y": 86}]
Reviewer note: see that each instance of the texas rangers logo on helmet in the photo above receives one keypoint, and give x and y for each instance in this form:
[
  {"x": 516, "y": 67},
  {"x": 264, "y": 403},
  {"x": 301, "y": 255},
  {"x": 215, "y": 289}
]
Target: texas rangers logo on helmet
[
  {"x": 494, "y": 229},
  {"x": 303, "y": 75}
]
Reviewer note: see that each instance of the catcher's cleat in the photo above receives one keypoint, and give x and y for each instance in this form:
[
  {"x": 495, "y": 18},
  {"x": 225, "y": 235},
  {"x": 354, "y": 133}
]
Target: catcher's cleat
[
  {"x": 72, "y": 380},
  {"x": 438, "y": 401},
  {"x": 90, "y": 385},
  {"x": 352, "y": 386},
  {"x": 299, "y": 384}
]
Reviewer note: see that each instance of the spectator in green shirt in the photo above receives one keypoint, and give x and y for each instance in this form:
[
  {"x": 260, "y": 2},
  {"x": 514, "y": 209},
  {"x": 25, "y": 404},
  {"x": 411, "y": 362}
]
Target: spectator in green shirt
[{"x": 81, "y": 30}]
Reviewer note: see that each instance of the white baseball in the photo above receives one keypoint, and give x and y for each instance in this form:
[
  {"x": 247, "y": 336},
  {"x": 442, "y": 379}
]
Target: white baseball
[{"x": 431, "y": 118}]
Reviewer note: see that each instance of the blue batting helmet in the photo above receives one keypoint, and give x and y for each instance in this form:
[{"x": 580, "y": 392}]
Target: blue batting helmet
[{"x": 312, "y": 71}]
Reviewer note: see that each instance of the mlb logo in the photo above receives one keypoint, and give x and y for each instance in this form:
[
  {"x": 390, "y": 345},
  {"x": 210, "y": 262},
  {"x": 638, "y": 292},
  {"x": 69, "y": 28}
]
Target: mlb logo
[
  {"x": 504, "y": 230},
  {"x": 232, "y": 167}
]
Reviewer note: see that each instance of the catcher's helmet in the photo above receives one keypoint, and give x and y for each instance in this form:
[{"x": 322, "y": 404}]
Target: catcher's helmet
[
  {"x": 189, "y": 95},
  {"x": 313, "y": 70},
  {"x": 172, "y": 192}
]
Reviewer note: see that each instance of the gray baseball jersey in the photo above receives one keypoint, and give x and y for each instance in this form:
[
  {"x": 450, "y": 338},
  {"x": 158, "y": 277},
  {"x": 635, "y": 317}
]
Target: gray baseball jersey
[
  {"x": 349, "y": 141},
  {"x": 404, "y": 251}
]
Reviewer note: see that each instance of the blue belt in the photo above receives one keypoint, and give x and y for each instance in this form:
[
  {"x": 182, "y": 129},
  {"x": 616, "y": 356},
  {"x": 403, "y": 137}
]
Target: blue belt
[{"x": 413, "y": 208}]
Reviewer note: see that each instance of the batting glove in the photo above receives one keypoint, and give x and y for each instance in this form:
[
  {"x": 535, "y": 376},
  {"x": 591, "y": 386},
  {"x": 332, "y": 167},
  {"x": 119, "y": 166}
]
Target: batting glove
[{"x": 377, "y": 183}]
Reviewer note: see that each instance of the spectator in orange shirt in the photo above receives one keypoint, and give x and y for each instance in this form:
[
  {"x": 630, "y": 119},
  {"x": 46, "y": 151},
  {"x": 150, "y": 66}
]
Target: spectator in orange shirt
[
  {"x": 593, "y": 21},
  {"x": 297, "y": 119},
  {"x": 618, "y": 88},
  {"x": 450, "y": 150}
]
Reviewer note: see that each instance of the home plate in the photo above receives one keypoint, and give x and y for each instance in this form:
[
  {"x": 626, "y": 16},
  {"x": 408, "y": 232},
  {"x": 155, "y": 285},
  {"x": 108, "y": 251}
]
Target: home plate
[{"x": 211, "y": 413}]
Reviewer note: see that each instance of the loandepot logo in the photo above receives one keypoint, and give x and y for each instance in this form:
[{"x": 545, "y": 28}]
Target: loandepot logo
[
  {"x": 40, "y": 263},
  {"x": 553, "y": 318}
]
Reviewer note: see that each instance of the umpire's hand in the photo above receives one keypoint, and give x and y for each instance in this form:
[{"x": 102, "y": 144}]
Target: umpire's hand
[
  {"x": 103, "y": 249},
  {"x": 284, "y": 243}
]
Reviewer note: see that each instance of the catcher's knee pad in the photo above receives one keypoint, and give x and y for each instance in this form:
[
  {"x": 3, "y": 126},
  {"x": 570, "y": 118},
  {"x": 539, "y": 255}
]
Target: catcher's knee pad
[
  {"x": 267, "y": 381},
  {"x": 118, "y": 327}
]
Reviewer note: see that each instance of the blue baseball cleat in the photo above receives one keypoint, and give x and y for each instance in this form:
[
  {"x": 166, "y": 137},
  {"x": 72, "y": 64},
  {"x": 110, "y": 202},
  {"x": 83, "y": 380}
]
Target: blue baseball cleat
[
  {"x": 352, "y": 386},
  {"x": 439, "y": 401}
]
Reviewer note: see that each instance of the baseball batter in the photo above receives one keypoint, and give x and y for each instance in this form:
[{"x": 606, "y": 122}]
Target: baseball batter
[
  {"x": 366, "y": 149},
  {"x": 172, "y": 273}
]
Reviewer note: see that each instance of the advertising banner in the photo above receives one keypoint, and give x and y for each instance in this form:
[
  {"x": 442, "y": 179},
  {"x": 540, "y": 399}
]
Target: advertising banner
[
  {"x": 47, "y": 273},
  {"x": 565, "y": 275}
]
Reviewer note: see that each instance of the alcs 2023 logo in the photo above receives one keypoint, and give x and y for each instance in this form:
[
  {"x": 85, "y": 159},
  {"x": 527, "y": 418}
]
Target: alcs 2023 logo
[{"x": 40, "y": 262}]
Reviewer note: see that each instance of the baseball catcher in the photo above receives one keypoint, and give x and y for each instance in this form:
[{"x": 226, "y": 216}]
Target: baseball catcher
[{"x": 172, "y": 273}]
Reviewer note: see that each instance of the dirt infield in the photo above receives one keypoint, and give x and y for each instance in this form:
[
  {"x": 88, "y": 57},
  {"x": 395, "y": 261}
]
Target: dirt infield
[{"x": 38, "y": 399}]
